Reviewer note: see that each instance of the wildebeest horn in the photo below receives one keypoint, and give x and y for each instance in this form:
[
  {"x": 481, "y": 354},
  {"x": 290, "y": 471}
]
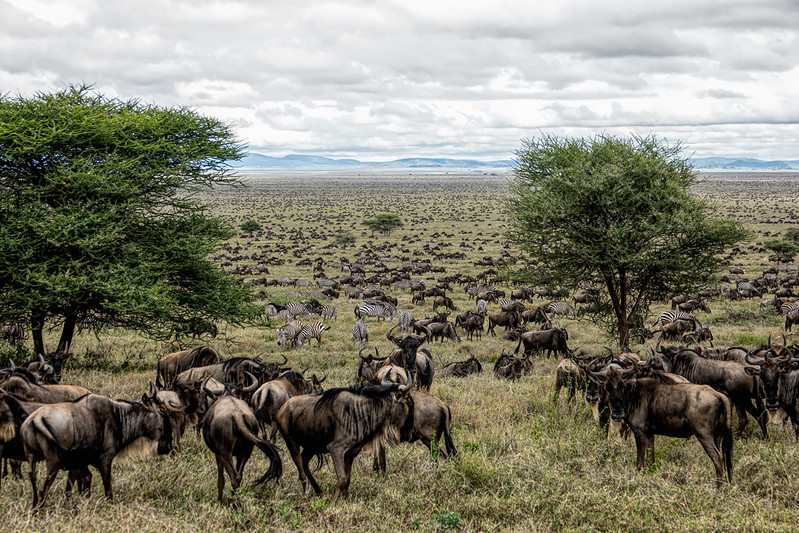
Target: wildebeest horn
[
  {"x": 657, "y": 345},
  {"x": 253, "y": 380},
  {"x": 403, "y": 388},
  {"x": 304, "y": 371},
  {"x": 41, "y": 359},
  {"x": 610, "y": 352},
  {"x": 153, "y": 390},
  {"x": 13, "y": 366},
  {"x": 285, "y": 360},
  {"x": 390, "y": 337},
  {"x": 769, "y": 340},
  {"x": 323, "y": 377},
  {"x": 362, "y": 357},
  {"x": 754, "y": 362}
]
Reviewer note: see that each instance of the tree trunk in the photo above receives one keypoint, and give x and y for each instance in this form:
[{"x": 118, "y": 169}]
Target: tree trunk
[
  {"x": 68, "y": 332},
  {"x": 37, "y": 326},
  {"x": 624, "y": 332}
]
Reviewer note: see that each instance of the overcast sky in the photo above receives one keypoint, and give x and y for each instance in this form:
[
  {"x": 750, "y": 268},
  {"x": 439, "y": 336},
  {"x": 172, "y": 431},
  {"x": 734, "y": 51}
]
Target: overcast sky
[{"x": 379, "y": 80}]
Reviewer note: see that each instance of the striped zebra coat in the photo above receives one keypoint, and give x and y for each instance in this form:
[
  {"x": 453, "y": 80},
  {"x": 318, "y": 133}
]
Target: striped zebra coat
[
  {"x": 667, "y": 317},
  {"x": 379, "y": 310},
  {"x": 359, "y": 332},
  {"x": 560, "y": 308},
  {"x": 329, "y": 312},
  {"x": 309, "y": 332},
  {"x": 298, "y": 309}
]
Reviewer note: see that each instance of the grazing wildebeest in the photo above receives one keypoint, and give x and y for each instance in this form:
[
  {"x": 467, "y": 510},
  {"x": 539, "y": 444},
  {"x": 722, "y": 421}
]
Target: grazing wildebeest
[
  {"x": 675, "y": 330},
  {"x": 443, "y": 330},
  {"x": 658, "y": 406},
  {"x": 692, "y": 305},
  {"x": 173, "y": 364},
  {"x": 461, "y": 368},
  {"x": 342, "y": 422},
  {"x": 570, "y": 375},
  {"x": 508, "y": 320},
  {"x": 271, "y": 396},
  {"x": 93, "y": 431},
  {"x": 727, "y": 377},
  {"x": 230, "y": 431},
  {"x": 25, "y": 385},
  {"x": 508, "y": 366},
  {"x": 444, "y": 301},
  {"x": 549, "y": 340},
  {"x": 474, "y": 326},
  {"x": 537, "y": 315}
]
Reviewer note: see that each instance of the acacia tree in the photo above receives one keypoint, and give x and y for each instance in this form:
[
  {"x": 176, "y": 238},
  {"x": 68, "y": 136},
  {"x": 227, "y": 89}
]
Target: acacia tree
[
  {"x": 383, "y": 223},
  {"x": 614, "y": 213},
  {"x": 100, "y": 219}
]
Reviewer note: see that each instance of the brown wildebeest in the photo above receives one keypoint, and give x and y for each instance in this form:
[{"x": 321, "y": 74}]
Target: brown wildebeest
[
  {"x": 508, "y": 320},
  {"x": 780, "y": 380},
  {"x": 93, "y": 431},
  {"x": 658, "y": 406},
  {"x": 461, "y": 368},
  {"x": 271, "y": 396},
  {"x": 26, "y": 387},
  {"x": 173, "y": 364},
  {"x": 408, "y": 357},
  {"x": 342, "y": 422},
  {"x": 230, "y": 431},
  {"x": 549, "y": 340},
  {"x": 727, "y": 377},
  {"x": 570, "y": 375}
]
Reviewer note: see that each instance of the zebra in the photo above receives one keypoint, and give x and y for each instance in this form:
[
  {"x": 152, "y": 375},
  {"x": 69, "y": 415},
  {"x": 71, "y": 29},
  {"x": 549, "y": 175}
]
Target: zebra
[
  {"x": 560, "y": 308},
  {"x": 667, "y": 317},
  {"x": 383, "y": 309},
  {"x": 297, "y": 309},
  {"x": 329, "y": 312},
  {"x": 787, "y": 307},
  {"x": 284, "y": 315},
  {"x": 287, "y": 334},
  {"x": 359, "y": 332},
  {"x": 404, "y": 320},
  {"x": 309, "y": 332},
  {"x": 482, "y": 306}
]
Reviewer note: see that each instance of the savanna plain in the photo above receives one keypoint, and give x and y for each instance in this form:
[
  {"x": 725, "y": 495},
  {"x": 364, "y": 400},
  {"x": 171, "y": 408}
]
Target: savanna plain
[{"x": 525, "y": 463}]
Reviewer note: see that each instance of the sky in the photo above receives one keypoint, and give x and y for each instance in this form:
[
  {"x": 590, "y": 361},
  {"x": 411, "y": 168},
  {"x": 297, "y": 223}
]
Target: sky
[{"x": 387, "y": 79}]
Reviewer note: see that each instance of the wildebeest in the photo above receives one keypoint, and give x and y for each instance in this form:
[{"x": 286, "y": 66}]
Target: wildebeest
[
  {"x": 658, "y": 406},
  {"x": 791, "y": 318},
  {"x": 271, "y": 396},
  {"x": 408, "y": 356},
  {"x": 727, "y": 377},
  {"x": 461, "y": 368},
  {"x": 230, "y": 431},
  {"x": 13, "y": 333},
  {"x": 780, "y": 380},
  {"x": 342, "y": 422},
  {"x": 173, "y": 364},
  {"x": 93, "y": 431},
  {"x": 232, "y": 371},
  {"x": 444, "y": 301},
  {"x": 511, "y": 367},
  {"x": 549, "y": 340},
  {"x": 570, "y": 375},
  {"x": 443, "y": 330},
  {"x": 23, "y": 385},
  {"x": 508, "y": 320}
]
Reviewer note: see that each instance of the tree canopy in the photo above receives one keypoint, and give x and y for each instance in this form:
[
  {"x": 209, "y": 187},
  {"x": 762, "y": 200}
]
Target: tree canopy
[
  {"x": 617, "y": 214},
  {"x": 100, "y": 219},
  {"x": 383, "y": 223}
]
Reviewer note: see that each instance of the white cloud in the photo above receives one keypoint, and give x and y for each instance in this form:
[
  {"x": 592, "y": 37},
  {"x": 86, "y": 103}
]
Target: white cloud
[{"x": 395, "y": 78}]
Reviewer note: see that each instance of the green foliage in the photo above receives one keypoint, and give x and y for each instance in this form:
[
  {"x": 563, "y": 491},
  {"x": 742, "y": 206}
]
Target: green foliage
[
  {"x": 383, "y": 223},
  {"x": 251, "y": 226},
  {"x": 345, "y": 239},
  {"x": 784, "y": 250},
  {"x": 447, "y": 519},
  {"x": 98, "y": 199},
  {"x": 792, "y": 234},
  {"x": 749, "y": 339},
  {"x": 616, "y": 210}
]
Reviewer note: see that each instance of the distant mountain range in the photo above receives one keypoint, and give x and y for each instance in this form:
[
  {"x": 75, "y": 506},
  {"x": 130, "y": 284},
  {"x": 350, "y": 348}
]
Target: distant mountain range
[{"x": 312, "y": 162}]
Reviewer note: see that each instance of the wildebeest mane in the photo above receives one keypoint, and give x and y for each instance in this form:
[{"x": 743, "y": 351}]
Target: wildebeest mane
[{"x": 368, "y": 390}]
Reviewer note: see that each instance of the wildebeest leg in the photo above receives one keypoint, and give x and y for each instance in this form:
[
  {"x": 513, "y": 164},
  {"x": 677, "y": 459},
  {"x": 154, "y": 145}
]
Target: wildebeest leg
[
  {"x": 712, "y": 451},
  {"x": 220, "y": 478},
  {"x": 104, "y": 466},
  {"x": 52, "y": 471},
  {"x": 232, "y": 472},
  {"x": 307, "y": 455},
  {"x": 16, "y": 468},
  {"x": 32, "y": 477},
  {"x": 379, "y": 461},
  {"x": 273, "y": 432},
  {"x": 641, "y": 447},
  {"x": 342, "y": 461},
  {"x": 294, "y": 451},
  {"x": 742, "y": 421},
  {"x": 759, "y": 414}
]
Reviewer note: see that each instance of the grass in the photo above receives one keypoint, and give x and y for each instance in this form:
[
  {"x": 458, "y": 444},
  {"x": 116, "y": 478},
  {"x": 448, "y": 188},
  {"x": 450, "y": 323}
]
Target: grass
[{"x": 525, "y": 463}]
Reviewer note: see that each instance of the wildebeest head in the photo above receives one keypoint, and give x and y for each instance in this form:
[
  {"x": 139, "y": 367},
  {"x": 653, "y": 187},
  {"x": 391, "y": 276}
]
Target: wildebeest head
[
  {"x": 615, "y": 385},
  {"x": 769, "y": 368},
  {"x": 154, "y": 424},
  {"x": 368, "y": 365},
  {"x": 409, "y": 344}
]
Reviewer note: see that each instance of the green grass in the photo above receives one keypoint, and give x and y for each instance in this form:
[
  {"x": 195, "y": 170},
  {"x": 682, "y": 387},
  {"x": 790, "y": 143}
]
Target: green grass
[{"x": 524, "y": 464}]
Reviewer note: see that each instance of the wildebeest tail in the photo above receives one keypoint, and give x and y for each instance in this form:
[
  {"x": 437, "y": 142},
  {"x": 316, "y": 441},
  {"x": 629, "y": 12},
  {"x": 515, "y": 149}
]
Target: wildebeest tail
[
  {"x": 275, "y": 469},
  {"x": 262, "y": 412},
  {"x": 516, "y": 351},
  {"x": 726, "y": 437},
  {"x": 450, "y": 446}
]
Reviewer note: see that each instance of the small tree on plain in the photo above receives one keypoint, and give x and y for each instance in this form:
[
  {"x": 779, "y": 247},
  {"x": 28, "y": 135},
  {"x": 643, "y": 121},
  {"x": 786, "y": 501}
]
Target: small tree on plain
[
  {"x": 783, "y": 249},
  {"x": 383, "y": 223},
  {"x": 617, "y": 214}
]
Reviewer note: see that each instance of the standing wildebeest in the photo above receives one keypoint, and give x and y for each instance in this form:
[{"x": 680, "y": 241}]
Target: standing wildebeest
[
  {"x": 461, "y": 368},
  {"x": 93, "y": 431},
  {"x": 570, "y": 375},
  {"x": 232, "y": 371},
  {"x": 444, "y": 301},
  {"x": 410, "y": 357},
  {"x": 791, "y": 318},
  {"x": 551, "y": 340},
  {"x": 231, "y": 430},
  {"x": 23, "y": 385},
  {"x": 13, "y": 333},
  {"x": 342, "y": 422},
  {"x": 658, "y": 406},
  {"x": 173, "y": 364},
  {"x": 509, "y": 320},
  {"x": 727, "y": 377},
  {"x": 692, "y": 305},
  {"x": 536, "y": 315},
  {"x": 271, "y": 396},
  {"x": 443, "y": 330},
  {"x": 780, "y": 380}
]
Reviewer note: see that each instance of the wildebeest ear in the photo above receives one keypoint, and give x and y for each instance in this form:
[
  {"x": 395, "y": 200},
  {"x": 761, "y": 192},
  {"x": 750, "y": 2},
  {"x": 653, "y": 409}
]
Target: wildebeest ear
[{"x": 752, "y": 371}]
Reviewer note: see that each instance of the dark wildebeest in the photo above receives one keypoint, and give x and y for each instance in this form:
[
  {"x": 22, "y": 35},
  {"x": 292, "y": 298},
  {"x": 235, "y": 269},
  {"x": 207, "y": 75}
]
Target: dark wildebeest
[
  {"x": 508, "y": 320},
  {"x": 93, "y": 431},
  {"x": 791, "y": 318},
  {"x": 14, "y": 410},
  {"x": 780, "y": 380},
  {"x": 271, "y": 396},
  {"x": 432, "y": 420},
  {"x": 727, "y": 377},
  {"x": 474, "y": 326},
  {"x": 443, "y": 330},
  {"x": 36, "y": 370},
  {"x": 461, "y": 369},
  {"x": 13, "y": 333},
  {"x": 536, "y": 315},
  {"x": 25, "y": 385},
  {"x": 230, "y": 431},
  {"x": 692, "y": 305},
  {"x": 232, "y": 371},
  {"x": 549, "y": 340},
  {"x": 173, "y": 364},
  {"x": 412, "y": 359},
  {"x": 510, "y": 367},
  {"x": 444, "y": 301},
  {"x": 658, "y": 406},
  {"x": 342, "y": 422}
]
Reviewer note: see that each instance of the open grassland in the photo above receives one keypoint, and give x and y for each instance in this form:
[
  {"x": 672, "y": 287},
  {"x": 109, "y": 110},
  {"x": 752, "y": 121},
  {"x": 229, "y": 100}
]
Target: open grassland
[{"x": 525, "y": 462}]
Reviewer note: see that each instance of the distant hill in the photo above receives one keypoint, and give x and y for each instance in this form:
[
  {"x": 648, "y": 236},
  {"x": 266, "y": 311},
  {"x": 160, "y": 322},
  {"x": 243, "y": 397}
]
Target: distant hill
[
  {"x": 313, "y": 162},
  {"x": 310, "y": 162}
]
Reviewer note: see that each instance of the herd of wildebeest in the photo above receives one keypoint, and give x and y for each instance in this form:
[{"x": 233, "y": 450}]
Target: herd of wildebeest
[{"x": 683, "y": 387}]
